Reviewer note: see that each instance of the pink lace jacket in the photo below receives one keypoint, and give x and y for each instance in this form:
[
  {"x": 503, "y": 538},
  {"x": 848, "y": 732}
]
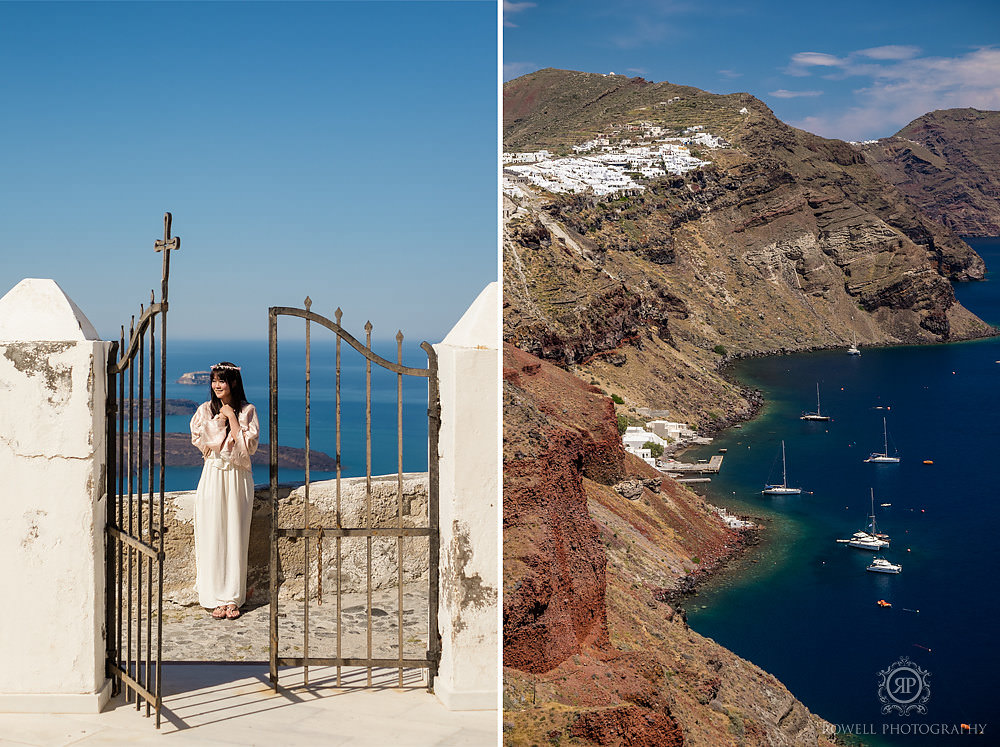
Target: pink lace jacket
[{"x": 209, "y": 435}]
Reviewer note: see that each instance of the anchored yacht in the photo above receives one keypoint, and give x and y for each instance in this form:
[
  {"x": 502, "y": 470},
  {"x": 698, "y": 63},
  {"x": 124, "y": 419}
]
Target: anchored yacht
[
  {"x": 883, "y": 456},
  {"x": 782, "y": 488},
  {"x": 818, "y": 415},
  {"x": 881, "y": 565}
]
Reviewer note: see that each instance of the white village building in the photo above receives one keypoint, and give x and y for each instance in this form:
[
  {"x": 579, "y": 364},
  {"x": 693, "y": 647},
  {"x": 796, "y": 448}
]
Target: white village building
[
  {"x": 668, "y": 429},
  {"x": 603, "y": 168},
  {"x": 635, "y": 436}
]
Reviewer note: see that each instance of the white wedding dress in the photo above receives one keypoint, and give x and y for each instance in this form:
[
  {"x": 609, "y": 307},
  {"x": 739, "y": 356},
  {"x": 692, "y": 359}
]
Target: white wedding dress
[{"x": 223, "y": 506}]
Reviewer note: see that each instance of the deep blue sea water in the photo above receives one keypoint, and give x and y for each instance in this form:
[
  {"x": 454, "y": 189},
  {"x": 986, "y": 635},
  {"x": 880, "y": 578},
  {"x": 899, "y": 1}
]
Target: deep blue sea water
[
  {"x": 184, "y": 356},
  {"x": 803, "y": 607}
]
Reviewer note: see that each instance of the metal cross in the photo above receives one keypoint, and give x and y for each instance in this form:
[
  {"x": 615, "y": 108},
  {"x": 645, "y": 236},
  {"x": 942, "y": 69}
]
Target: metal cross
[{"x": 165, "y": 245}]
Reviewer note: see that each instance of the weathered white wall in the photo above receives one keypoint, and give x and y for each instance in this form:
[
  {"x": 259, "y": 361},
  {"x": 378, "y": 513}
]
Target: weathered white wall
[
  {"x": 468, "y": 360},
  {"x": 52, "y": 381}
]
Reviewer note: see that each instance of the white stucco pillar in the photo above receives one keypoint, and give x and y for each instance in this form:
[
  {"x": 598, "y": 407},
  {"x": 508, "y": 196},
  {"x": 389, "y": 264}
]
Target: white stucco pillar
[
  {"x": 52, "y": 498},
  {"x": 468, "y": 360}
]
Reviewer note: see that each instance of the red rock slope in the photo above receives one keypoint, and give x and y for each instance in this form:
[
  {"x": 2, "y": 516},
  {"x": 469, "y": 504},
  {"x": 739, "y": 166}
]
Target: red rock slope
[{"x": 592, "y": 653}]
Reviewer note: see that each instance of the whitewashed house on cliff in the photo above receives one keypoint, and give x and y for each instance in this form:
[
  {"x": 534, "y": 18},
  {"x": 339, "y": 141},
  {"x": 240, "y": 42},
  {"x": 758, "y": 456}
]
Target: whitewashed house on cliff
[
  {"x": 635, "y": 436},
  {"x": 668, "y": 429}
]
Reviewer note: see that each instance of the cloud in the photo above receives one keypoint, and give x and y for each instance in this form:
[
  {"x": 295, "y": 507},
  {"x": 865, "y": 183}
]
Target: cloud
[
  {"x": 890, "y": 52},
  {"x": 730, "y": 74},
  {"x": 781, "y": 93},
  {"x": 901, "y": 89},
  {"x": 511, "y": 8},
  {"x": 637, "y": 71},
  {"x": 801, "y": 61},
  {"x": 513, "y": 70}
]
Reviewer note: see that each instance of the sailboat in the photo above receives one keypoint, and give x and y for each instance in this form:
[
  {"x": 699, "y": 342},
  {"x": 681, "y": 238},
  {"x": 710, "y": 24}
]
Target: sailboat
[
  {"x": 853, "y": 350},
  {"x": 868, "y": 540},
  {"x": 883, "y": 456},
  {"x": 783, "y": 488},
  {"x": 815, "y": 415}
]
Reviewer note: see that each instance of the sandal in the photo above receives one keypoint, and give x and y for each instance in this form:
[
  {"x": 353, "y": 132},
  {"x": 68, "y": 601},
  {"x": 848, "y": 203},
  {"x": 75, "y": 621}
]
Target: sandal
[
  {"x": 232, "y": 612},
  {"x": 219, "y": 613}
]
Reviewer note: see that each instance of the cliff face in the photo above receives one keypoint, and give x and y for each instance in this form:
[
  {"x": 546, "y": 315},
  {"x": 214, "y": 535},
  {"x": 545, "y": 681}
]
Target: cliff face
[
  {"x": 787, "y": 241},
  {"x": 592, "y": 648},
  {"x": 554, "y": 570},
  {"x": 948, "y": 164}
]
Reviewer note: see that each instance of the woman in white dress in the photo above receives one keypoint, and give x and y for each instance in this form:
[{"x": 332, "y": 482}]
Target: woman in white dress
[{"x": 226, "y": 431}]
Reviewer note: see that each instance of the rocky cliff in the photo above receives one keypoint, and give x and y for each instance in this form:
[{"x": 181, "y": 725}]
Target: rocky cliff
[
  {"x": 596, "y": 544},
  {"x": 785, "y": 241},
  {"x": 948, "y": 164}
]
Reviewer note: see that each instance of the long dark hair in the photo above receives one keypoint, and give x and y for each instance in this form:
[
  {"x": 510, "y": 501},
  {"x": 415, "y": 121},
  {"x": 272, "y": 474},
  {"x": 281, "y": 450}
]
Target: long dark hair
[{"x": 229, "y": 373}]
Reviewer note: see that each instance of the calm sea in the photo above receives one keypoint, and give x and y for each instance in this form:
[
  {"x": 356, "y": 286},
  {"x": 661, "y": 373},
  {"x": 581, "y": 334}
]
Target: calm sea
[
  {"x": 803, "y": 607},
  {"x": 184, "y": 356}
]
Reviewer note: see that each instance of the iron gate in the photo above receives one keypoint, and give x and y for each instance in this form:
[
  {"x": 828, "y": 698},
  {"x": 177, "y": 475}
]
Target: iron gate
[
  {"x": 134, "y": 547},
  {"x": 338, "y": 532}
]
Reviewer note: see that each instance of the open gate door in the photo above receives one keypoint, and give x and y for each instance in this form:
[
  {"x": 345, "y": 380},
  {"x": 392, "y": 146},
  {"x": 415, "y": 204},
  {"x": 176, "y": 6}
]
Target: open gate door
[{"x": 135, "y": 425}]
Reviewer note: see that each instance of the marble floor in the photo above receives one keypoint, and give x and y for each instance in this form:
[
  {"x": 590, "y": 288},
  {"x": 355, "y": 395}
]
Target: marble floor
[{"x": 228, "y": 704}]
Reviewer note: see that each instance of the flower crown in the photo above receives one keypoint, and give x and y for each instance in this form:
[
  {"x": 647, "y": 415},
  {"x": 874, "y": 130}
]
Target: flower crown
[{"x": 225, "y": 367}]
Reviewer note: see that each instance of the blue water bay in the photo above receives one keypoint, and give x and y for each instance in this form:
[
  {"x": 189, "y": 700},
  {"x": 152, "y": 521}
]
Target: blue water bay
[{"x": 803, "y": 607}]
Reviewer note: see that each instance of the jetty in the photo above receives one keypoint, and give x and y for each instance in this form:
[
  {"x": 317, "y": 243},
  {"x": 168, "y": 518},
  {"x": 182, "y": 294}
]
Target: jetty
[{"x": 712, "y": 466}]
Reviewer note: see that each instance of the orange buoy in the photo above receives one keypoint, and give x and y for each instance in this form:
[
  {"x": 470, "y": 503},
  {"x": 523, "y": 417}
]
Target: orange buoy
[{"x": 928, "y": 461}]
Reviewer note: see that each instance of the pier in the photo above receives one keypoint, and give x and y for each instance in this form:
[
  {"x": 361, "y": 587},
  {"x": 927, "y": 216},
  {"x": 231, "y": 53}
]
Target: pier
[{"x": 704, "y": 468}]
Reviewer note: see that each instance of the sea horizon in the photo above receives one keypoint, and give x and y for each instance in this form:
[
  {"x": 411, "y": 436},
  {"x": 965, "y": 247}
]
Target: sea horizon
[{"x": 184, "y": 356}]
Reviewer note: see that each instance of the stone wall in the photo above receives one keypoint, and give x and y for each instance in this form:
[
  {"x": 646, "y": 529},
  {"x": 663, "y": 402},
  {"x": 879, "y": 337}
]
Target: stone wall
[{"x": 179, "y": 566}]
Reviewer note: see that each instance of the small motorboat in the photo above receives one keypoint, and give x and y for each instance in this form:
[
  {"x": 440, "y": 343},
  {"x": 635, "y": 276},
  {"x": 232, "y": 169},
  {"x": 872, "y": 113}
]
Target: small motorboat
[
  {"x": 928, "y": 461},
  {"x": 881, "y": 565}
]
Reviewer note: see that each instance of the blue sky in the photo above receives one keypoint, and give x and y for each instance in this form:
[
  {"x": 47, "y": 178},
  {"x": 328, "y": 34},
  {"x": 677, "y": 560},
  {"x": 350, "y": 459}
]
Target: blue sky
[
  {"x": 852, "y": 70},
  {"x": 345, "y": 150}
]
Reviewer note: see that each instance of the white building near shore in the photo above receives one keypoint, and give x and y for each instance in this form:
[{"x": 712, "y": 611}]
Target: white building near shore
[
  {"x": 634, "y": 440},
  {"x": 667, "y": 429}
]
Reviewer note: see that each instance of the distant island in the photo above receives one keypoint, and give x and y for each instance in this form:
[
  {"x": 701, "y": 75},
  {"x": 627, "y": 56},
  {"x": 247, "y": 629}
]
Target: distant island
[
  {"x": 173, "y": 407},
  {"x": 195, "y": 378}
]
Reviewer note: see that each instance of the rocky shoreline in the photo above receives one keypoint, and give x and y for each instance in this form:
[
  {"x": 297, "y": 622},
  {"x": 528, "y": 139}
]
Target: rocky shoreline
[
  {"x": 755, "y": 398},
  {"x": 749, "y": 538}
]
